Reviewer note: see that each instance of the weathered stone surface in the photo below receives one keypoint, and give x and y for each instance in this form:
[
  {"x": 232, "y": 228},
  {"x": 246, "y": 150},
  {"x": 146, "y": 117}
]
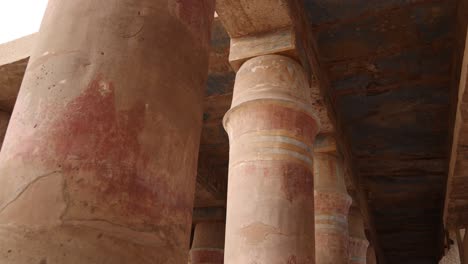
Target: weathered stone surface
[
  {"x": 208, "y": 243},
  {"x": 271, "y": 127},
  {"x": 99, "y": 161},
  {"x": 281, "y": 41},
  {"x": 242, "y": 18}
]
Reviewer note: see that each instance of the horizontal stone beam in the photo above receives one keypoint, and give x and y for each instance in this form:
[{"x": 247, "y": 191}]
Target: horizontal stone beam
[{"x": 16, "y": 50}]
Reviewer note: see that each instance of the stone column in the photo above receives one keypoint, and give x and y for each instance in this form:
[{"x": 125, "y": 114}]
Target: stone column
[
  {"x": 357, "y": 238},
  {"x": 208, "y": 243},
  {"x": 331, "y": 210},
  {"x": 4, "y": 120},
  {"x": 99, "y": 161},
  {"x": 371, "y": 258},
  {"x": 271, "y": 128}
]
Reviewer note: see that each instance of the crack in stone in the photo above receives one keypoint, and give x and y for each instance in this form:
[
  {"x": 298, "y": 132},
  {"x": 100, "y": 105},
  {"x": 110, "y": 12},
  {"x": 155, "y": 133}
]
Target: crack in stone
[
  {"x": 18, "y": 195},
  {"x": 134, "y": 34},
  {"x": 66, "y": 199}
]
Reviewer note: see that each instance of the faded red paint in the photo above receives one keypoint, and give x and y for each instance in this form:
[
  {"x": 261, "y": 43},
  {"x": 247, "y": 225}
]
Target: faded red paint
[
  {"x": 298, "y": 181},
  {"x": 198, "y": 15},
  {"x": 96, "y": 146},
  {"x": 332, "y": 203},
  {"x": 270, "y": 115}
]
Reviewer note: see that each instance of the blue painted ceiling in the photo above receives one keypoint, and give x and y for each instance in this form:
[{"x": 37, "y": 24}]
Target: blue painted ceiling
[{"x": 390, "y": 68}]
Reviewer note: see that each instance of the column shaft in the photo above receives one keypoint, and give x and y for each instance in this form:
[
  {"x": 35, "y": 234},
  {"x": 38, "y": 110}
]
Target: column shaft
[
  {"x": 208, "y": 243},
  {"x": 331, "y": 210},
  {"x": 100, "y": 157},
  {"x": 357, "y": 238},
  {"x": 271, "y": 129}
]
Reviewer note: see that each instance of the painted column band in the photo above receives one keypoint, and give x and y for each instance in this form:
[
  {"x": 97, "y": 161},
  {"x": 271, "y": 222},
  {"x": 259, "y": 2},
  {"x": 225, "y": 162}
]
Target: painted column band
[{"x": 331, "y": 210}]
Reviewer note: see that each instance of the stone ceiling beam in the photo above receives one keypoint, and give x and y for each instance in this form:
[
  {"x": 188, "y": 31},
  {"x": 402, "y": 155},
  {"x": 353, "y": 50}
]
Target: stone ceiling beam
[{"x": 281, "y": 41}]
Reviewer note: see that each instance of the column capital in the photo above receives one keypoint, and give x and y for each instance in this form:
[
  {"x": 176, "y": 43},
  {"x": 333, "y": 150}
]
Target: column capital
[{"x": 272, "y": 79}]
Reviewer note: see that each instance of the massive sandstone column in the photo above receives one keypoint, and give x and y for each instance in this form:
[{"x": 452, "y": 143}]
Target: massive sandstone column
[
  {"x": 208, "y": 243},
  {"x": 371, "y": 258},
  {"x": 271, "y": 129},
  {"x": 331, "y": 210},
  {"x": 357, "y": 238},
  {"x": 99, "y": 161}
]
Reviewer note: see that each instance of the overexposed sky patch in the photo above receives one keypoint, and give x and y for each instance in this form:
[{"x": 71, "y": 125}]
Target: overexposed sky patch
[{"x": 19, "y": 18}]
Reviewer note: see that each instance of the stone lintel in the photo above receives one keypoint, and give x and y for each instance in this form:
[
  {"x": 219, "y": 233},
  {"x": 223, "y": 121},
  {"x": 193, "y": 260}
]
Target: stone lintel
[
  {"x": 242, "y": 18},
  {"x": 281, "y": 41}
]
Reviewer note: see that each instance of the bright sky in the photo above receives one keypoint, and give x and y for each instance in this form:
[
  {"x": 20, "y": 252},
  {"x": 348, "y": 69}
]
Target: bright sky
[{"x": 19, "y": 18}]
